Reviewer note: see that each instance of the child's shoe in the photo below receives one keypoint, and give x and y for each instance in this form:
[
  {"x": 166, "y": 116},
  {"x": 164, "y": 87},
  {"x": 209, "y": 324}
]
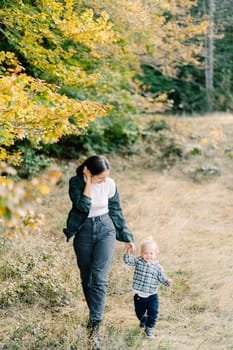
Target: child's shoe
[{"x": 149, "y": 332}]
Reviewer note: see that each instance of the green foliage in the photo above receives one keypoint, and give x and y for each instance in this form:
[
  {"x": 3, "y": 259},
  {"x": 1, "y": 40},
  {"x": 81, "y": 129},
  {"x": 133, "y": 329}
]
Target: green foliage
[
  {"x": 62, "y": 62},
  {"x": 223, "y": 93},
  {"x": 195, "y": 151},
  {"x": 33, "y": 162},
  {"x": 155, "y": 141},
  {"x": 45, "y": 45},
  {"x": 102, "y": 136},
  {"x": 186, "y": 90},
  {"x": 51, "y": 37},
  {"x": 223, "y": 56}
]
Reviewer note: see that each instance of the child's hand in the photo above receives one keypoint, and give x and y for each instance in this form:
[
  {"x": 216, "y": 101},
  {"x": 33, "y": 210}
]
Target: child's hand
[{"x": 169, "y": 281}]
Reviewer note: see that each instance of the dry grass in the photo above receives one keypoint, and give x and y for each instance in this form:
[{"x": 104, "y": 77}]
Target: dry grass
[{"x": 192, "y": 223}]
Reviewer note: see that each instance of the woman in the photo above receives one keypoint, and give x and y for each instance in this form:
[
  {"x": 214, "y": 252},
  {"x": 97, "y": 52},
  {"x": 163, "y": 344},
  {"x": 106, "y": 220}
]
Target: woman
[{"x": 96, "y": 221}]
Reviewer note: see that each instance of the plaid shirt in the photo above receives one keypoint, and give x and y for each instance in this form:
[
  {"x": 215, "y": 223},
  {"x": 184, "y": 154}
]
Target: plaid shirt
[{"x": 146, "y": 275}]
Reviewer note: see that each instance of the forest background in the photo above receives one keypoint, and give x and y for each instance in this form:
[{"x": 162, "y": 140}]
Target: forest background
[{"x": 85, "y": 77}]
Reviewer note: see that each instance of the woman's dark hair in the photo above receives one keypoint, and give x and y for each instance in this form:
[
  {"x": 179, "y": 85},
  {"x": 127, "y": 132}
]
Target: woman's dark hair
[{"x": 95, "y": 164}]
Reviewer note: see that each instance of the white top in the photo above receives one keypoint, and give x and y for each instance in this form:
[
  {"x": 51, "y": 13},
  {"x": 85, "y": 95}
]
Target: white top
[
  {"x": 142, "y": 294},
  {"x": 100, "y": 193}
]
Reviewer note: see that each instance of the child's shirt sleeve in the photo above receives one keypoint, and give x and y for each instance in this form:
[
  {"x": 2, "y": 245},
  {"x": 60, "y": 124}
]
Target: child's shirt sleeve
[
  {"x": 129, "y": 259},
  {"x": 162, "y": 277}
]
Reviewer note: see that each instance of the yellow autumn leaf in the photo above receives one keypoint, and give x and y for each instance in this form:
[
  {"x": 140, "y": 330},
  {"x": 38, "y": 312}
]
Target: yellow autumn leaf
[
  {"x": 43, "y": 189},
  {"x": 204, "y": 140}
]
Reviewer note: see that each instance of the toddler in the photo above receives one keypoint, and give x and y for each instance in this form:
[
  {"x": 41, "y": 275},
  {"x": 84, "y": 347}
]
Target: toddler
[{"x": 147, "y": 275}]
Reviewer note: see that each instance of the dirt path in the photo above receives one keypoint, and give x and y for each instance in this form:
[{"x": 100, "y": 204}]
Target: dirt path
[{"x": 193, "y": 226}]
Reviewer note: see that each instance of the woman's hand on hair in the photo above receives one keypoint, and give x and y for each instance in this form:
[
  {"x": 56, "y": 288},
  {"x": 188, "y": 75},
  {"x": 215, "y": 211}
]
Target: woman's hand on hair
[{"x": 87, "y": 174}]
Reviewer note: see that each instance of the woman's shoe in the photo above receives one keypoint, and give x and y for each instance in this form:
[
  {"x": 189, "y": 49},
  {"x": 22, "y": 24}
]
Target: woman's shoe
[{"x": 93, "y": 333}]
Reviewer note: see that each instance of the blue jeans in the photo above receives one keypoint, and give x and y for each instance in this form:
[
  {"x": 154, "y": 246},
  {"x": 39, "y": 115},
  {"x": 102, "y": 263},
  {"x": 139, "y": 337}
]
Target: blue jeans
[
  {"x": 94, "y": 247},
  {"x": 150, "y": 306}
]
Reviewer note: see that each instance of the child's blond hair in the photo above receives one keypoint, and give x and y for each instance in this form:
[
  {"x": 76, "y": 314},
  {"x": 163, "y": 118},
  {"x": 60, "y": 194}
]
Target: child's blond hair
[{"x": 149, "y": 241}]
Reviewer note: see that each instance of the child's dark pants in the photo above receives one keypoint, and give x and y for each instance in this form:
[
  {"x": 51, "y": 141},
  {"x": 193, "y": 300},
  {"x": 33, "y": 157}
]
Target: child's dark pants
[{"x": 150, "y": 306}]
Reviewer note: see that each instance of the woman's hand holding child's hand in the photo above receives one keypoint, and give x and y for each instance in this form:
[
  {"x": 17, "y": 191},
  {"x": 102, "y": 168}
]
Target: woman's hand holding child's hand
[{"x": 130, "y": 247}]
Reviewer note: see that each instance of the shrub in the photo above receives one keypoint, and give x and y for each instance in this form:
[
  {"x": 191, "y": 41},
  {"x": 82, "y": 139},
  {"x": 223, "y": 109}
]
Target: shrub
[
  {"x": 27, "y": 279},
  {"x": 33, "y": 160},
  {"x": 103, "y": 135}
]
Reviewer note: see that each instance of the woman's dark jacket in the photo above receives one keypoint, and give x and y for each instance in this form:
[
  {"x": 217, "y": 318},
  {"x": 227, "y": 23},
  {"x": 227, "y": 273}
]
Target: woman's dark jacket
[{"x": 80, "y": 208}]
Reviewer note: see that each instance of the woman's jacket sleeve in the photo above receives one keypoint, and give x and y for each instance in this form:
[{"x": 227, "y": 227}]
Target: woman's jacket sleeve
[
  {"x": 80, "y": 207},
  {"x": 123, "y": 233},
  {"x": 79, "y": 200}
]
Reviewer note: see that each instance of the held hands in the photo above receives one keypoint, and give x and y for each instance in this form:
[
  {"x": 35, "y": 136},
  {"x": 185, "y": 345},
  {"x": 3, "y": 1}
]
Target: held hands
[{"x": 130, "y": 247}]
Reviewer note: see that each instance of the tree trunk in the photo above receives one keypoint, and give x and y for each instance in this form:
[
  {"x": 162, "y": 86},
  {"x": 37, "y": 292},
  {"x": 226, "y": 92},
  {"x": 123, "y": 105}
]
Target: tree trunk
[{"x": 209, "y": 57}]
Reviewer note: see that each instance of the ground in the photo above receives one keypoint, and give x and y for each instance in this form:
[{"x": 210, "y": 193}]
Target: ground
[{"x": 191, "y": 219}]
